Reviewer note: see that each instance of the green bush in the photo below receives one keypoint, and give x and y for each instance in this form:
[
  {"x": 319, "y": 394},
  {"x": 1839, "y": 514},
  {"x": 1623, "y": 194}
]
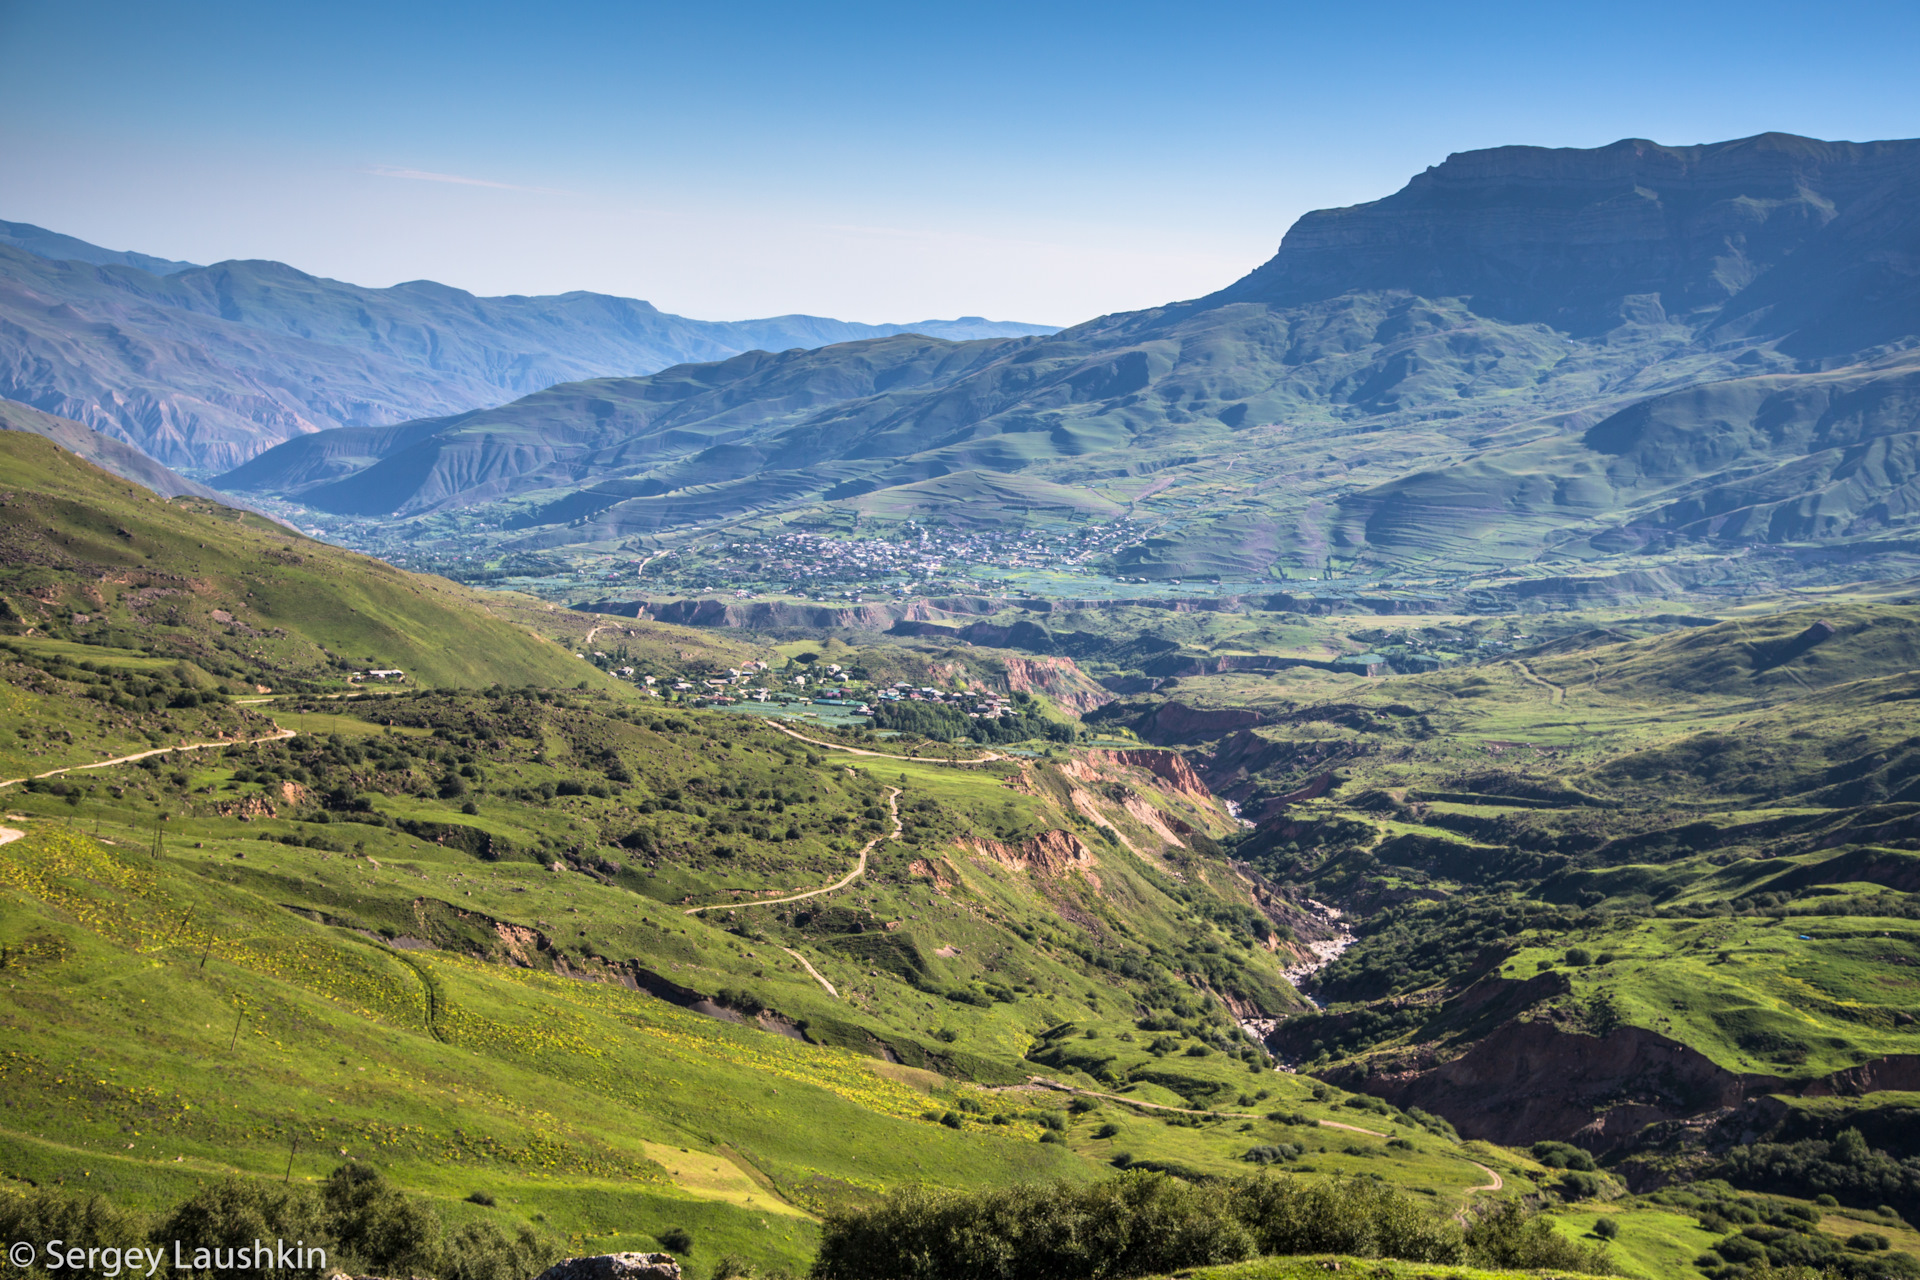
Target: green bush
[
  {"x": 83, "y": 1222},
  {"x": 1509, "y": 1236},
  {"x": 378, "y": 1226},
  {"x": 1135, "y": 1225},
  {"x": 482, "y": 1251},
  {"x": 232, "y": 1215}
]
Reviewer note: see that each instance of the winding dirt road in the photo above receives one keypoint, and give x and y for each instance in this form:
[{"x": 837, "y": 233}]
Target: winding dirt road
[
  {"x": 859, "y": 869},
  {"x": 157, "y": 751},
  {"x": 988, "y": 758}
]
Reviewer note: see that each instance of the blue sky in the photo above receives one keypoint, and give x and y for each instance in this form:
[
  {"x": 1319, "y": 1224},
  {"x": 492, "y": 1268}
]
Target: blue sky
[{"x": 1047, "y": 162}]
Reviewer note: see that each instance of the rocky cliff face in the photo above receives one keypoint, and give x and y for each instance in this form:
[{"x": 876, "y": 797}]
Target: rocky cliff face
[{"x": 1584, "y": 239}]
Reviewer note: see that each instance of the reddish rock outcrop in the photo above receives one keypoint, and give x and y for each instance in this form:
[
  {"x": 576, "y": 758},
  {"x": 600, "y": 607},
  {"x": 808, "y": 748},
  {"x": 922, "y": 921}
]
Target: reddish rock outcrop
[
  {"x": 1059, "y": 679},
  {"x": 1051, "y": 853},
  {"x": 1169, "y": 766}
]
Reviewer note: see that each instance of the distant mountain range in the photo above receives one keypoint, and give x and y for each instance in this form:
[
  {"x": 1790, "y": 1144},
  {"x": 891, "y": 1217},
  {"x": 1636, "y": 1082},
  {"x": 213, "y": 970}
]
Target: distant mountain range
[
  {"x": 1526, "y": 357},
  {"x": 204, "y": 367}
]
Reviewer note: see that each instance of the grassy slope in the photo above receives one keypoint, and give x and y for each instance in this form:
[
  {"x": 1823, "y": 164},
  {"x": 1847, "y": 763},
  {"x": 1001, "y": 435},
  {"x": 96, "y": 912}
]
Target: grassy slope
[{"x": 462, "y": 1072}]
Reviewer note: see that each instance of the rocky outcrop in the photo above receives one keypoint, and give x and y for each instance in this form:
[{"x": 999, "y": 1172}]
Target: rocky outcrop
[
  {"x": 1051, "y": 853},
  {"x": 1573, "y": 237},
  {"x": 615, "y": 1266},
  {"x": 1173, "y": 722},
  {"x": 1530, "y": 1080},
  {"x": 1070, "y": 688},
  {"x": 1169, "y": 766}
]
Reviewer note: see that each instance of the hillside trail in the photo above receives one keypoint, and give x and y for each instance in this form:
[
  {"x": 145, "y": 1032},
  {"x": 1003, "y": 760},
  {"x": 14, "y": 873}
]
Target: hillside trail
[
  {"x": 9, "y": 834},
  {"x": 1557, "y": 693},
  {"x": 817, "y": 976},
  {"x": 988, "y": 758},
  {"x": 859, "y": 869},
  {"x": 276, "y": 736}
]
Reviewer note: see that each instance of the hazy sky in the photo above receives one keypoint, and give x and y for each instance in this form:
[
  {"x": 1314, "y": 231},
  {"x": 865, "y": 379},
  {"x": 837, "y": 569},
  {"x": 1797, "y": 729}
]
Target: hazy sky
[{"x": 884, "y": 162}]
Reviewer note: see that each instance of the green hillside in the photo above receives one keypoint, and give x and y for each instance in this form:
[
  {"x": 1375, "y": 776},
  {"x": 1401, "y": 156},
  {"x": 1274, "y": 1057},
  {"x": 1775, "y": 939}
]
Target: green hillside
[
  {"x": 91, "y": 559},
  {"x": 553, "y": 955}
]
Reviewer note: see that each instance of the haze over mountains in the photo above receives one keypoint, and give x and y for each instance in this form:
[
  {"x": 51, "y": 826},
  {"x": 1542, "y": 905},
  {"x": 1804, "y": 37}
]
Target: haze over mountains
[
  {"x": 1524, "y": 355},
  {"x": 203, "y": 367}
]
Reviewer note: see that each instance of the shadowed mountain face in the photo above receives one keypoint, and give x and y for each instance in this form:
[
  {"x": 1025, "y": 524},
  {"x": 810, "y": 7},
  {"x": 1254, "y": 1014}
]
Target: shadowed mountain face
[
  {"x": 1743, "y": 237},
  {"x": 204, "y": 367},
  {"x": 1524, "y": 353}
]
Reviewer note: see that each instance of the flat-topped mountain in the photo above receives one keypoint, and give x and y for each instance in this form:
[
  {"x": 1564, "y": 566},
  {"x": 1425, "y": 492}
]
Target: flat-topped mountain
[
  {"x": 1744, "y": 235},
  {"x": 204, "y": 367},
  {"x": 1461, "y": 375}
]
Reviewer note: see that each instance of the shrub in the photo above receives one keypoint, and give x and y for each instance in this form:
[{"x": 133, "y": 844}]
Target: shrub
[
  {"x": 233, "y": 1214},
  {"x": 1579, "y": 957},
  {"x": 378, "y": 1226},
  {"x": 83, "y": 1222},
  {"x": 1508, "y": 1236},
  {"x": 1134, "y": 1225},
  {"x": 676, "y": 1240},
  {"x": 1606, "y": 1228},
  {"x": 1108, "y": 1130},
  {"x": 482, "y": 1251},
  {"x": 1562, "y": 1155}
]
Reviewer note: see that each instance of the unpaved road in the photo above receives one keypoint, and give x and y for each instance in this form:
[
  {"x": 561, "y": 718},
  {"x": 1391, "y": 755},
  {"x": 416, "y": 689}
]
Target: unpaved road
[
  {"x": 988, "y": 758},
  {"x": 859, "y": 869},
  {"x": 1556, "y": 693},
  {"x": 157, "y": 751},
  {"x": 817, "y": 976}
]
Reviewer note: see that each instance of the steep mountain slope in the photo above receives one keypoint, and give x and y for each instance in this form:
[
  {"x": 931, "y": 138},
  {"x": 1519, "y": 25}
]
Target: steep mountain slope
[
  {"x": 104, "y": 452},
  {"x": 203, "y": 367},
  {"x": 85, "y": 558},
  {"x": 1519, "y": 338}
]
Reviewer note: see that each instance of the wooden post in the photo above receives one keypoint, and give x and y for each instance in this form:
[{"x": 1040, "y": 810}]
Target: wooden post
[{"x": 233, "y": 1043}]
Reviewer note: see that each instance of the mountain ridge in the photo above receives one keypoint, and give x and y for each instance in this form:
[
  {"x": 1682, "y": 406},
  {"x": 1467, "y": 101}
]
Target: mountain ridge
[
  {"x": 202, "y": 367},
  {"x": 1326, "y": 376}
]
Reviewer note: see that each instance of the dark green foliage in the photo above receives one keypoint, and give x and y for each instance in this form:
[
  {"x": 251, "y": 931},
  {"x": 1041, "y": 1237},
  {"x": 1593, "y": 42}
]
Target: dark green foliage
[
  {"x": 1135, "y": 1225},
  {"x": 1606, "y": 1229},
  {"x": 944, "y": 723},
  {"x": 85, "y": 1222},
  {"x": 1141, "y": 1223},
  {"x": 377, "y": 1225},
  {"x": 1292, "y": 1215},
  {"x": 1846, "y": 1168},
  {"x": 1562, "y": 1155},
  {"x": 232, "y": 1215},
  {"x": 1508, "y": 1236},
  {"x": 676, "y": 1240},
  {"x": 482, "y": 1251}
]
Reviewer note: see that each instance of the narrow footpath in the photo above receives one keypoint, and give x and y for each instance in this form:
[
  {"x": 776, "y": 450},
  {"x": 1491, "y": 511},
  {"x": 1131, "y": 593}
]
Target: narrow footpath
[
  {"x": 859, "y": 869},
  {"x": 157, "y": 751}
]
